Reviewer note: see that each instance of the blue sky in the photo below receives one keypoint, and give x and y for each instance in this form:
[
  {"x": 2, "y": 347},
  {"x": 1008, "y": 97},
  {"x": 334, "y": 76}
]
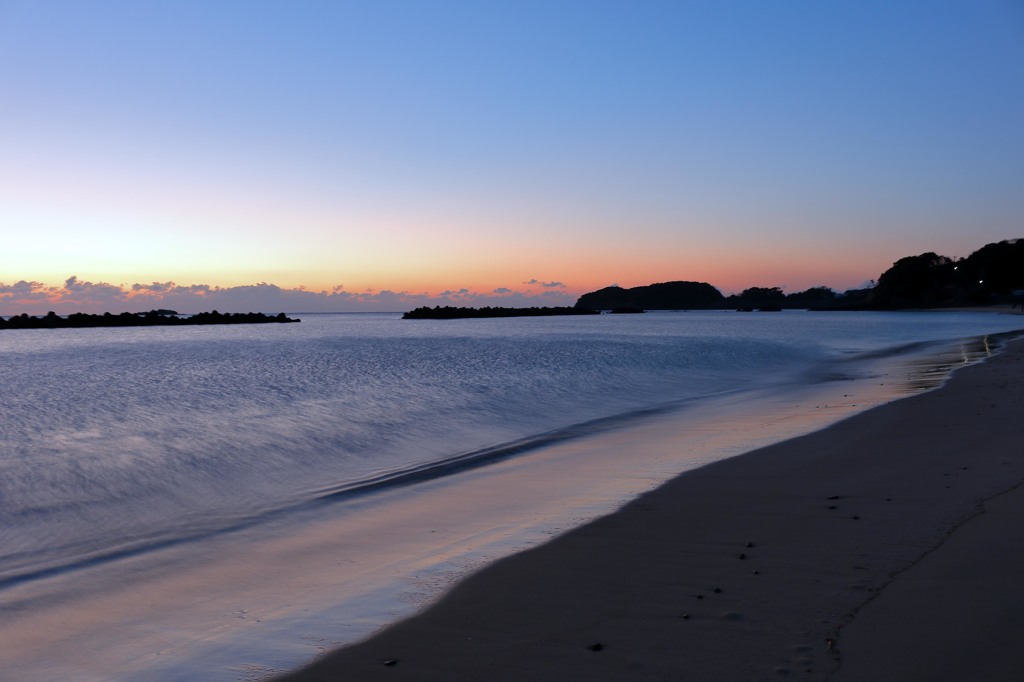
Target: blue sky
[{"x": 414, "y": 149}]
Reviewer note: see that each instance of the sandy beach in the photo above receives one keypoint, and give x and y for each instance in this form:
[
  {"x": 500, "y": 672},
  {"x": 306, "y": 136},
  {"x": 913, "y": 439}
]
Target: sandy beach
[{"x": 883, "y": 547}]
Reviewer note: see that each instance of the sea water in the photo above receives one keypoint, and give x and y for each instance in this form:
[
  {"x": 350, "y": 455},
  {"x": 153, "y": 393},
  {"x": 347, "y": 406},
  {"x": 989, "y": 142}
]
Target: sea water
[{"x": 118, "y": 446}]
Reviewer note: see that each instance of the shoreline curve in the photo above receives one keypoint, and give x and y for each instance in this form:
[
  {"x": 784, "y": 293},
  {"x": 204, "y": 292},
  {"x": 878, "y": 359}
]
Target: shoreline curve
[{"x": 746, "y": 568}]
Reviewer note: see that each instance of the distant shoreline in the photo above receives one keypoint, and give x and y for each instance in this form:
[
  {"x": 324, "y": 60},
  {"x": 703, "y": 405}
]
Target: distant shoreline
[
  {"x": 456, "y": 313},
  {"x": 153, "y": 318},
  {"x": 452, "y": 312}
]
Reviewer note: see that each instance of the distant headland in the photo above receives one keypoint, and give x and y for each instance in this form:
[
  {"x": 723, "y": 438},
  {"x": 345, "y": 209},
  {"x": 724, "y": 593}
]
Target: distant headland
[
  {"x": 153, "y": 318},
  {"x": 994, "y": 274}
]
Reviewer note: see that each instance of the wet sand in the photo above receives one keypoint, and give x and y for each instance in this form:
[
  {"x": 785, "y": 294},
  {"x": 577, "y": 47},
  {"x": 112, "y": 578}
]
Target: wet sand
[{"x": 801, "y": 560}]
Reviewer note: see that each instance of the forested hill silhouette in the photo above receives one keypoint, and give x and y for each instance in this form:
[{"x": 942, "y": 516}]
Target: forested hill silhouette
[
  {"x": 703, "y": 296},
  {"x": 993, "y": 274},
  {"x": 661, "y": 296},
  {"x": 151, "y": 319}
]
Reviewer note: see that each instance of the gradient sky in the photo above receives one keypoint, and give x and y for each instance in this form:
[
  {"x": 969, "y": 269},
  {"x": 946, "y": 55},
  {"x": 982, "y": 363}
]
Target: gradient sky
[{"x": 382, "y": 153}]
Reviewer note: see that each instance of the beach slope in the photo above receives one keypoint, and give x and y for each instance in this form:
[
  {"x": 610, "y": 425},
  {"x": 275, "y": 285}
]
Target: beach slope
[{"x": 755, "y": 567}]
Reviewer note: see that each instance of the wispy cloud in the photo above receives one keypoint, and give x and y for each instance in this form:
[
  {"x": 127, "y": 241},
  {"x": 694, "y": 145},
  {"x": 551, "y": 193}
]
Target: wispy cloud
[{"x": 546, "y": 285}]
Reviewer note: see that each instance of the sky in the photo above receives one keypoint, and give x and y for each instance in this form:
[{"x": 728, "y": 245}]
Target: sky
[{"x": 346, "y": 155}]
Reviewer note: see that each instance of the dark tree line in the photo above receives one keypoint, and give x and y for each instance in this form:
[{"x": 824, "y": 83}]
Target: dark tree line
[
  {"x": 702, "y": 296},
  {"x": 992, "y": 274},
  {"x": 773, "y": 298},
  {"x": 152, "y": 318}
]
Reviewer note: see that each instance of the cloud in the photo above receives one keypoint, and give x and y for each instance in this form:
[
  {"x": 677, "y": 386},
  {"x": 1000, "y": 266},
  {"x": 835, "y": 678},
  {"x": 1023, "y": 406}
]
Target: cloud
[
  {"x": 454, "y": 294},
  {"x": 155, "y": 287},
  {"x": 547, "y": 285},
  {"x": 76, "y": 295},
  {"x": 23, "y": 292}
]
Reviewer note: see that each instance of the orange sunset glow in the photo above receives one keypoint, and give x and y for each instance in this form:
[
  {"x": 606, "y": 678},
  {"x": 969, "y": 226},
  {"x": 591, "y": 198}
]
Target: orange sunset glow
[{"x": 460, "y": 163}]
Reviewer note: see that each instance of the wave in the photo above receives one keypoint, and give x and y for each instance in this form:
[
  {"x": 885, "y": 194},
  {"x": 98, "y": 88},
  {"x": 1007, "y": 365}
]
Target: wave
[
  {"x": 81, "y": 551},
  {"x": 147, "y": 543}
]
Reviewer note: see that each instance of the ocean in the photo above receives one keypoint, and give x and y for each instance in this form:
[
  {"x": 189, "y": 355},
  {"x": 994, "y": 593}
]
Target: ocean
[{"x": 189, "y": 502}]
